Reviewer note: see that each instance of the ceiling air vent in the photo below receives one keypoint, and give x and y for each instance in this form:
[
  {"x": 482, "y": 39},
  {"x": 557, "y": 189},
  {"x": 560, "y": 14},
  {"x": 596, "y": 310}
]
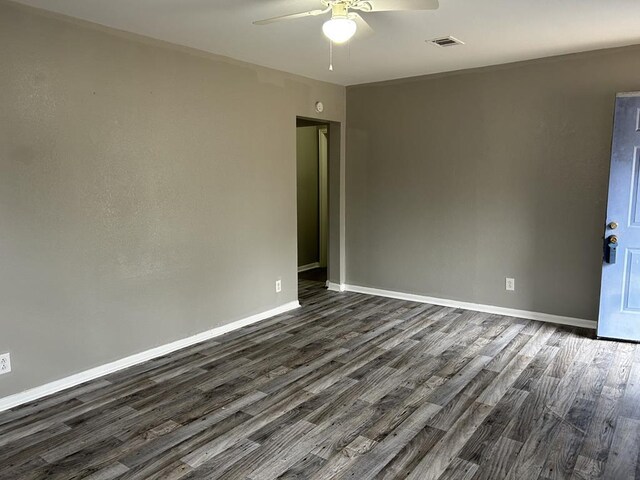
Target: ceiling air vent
[{"x": 446, "y": 42}]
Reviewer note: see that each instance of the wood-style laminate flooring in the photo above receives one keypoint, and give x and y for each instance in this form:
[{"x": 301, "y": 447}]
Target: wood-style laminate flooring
[{"x": 351, "y": 387}]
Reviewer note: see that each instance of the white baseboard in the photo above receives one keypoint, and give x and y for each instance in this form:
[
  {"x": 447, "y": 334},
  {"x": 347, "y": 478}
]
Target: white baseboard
[
  {"x": 82, "y": 377},
  {"x": 309, "y": 266},
  {"x": 337, "y": 287},
  {"x": 542, "y": 317}
]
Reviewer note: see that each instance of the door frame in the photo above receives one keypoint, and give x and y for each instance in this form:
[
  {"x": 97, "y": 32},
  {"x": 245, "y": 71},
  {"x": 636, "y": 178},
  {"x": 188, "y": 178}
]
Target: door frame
[
  {"x": 323, "y": 200},
  {"x": 335, "y": 201}
]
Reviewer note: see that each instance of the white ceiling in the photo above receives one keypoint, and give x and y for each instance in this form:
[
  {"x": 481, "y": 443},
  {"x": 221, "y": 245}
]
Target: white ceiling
[{"x": 495, "y": 31}]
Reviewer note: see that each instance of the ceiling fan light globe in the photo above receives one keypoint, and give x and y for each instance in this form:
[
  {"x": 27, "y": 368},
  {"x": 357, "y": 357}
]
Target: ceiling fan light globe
[{"x": 339, "y": 29}]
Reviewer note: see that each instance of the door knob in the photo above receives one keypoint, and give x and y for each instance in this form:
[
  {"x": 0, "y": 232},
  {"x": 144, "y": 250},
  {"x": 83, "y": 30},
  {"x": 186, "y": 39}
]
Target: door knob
[{"x": 613, "y": 225}]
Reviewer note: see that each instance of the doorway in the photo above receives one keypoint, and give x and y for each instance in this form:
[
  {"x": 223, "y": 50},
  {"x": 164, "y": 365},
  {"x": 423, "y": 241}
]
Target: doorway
[{"x": 312, "y": 176}]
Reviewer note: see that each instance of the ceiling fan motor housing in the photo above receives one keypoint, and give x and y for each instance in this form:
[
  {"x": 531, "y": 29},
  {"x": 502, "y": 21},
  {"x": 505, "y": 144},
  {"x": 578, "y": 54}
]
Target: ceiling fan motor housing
[
  {"x": 341, "y": 7},
  {"x": 339, "y": 10}
]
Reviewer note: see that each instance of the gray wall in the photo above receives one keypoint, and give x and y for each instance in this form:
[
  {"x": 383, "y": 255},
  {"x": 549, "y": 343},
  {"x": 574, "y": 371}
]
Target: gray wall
[
  {"x": 147, "y": 192},
  {"x": 457, "y": 181},
  {"x": 308, "y": 196}
]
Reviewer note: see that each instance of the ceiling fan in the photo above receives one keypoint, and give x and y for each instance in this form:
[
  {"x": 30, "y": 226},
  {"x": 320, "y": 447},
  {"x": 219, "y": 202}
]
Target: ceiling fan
[{"x": 344, "y": 23}]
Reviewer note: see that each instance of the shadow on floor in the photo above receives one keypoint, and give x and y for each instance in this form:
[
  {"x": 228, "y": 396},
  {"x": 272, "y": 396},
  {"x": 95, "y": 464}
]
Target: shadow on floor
[{"x": 315, "y": 275}]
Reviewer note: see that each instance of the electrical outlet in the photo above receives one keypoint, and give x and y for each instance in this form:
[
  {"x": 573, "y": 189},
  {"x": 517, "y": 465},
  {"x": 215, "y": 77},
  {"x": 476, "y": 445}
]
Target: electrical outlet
[
  {"x": 510, "y": 284},
  {"x": 5, "y": 363},
  {"x": 278, "y": 286}
]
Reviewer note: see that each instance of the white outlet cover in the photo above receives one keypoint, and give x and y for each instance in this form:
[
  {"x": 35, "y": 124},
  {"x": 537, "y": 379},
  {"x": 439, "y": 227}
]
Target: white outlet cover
[
  {"x": 278, "y": 286},
  {"x": 5, "y": 363},
  {"x": 510, "y": 284}
]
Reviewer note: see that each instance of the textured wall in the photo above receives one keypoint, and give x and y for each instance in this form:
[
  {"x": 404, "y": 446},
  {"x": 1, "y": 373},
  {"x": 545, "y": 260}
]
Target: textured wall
[
  {"x": 457, "y": 181},
  {"x": 147, "y": 192},
  {"x": 308, "y": 195}
]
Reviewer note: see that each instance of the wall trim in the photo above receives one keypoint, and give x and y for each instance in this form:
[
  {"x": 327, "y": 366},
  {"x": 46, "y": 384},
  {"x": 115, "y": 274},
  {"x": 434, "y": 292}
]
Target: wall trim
[
  {"x": 337, "y": 287},
  {"x": 309, "y": 266},
  {"x": 511, "y": 312},
  {"x": 56, "y": 386}
]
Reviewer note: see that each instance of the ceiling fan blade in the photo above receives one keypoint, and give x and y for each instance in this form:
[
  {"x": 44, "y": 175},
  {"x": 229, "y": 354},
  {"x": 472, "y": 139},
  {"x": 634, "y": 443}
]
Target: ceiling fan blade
[
  {"x": 292, "y": 16},
  {"x": 395, "y": 5},
  {"x": 364, "y": 29}
]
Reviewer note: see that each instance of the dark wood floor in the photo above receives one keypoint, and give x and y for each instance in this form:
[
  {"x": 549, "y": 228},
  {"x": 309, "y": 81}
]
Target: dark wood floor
[
  {"x": 315, "y": 275},
  {"x": 349, "y": 386}
]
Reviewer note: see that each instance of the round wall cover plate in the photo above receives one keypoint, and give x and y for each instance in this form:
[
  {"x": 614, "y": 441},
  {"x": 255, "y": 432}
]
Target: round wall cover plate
[{"x": 319, "y": 107}]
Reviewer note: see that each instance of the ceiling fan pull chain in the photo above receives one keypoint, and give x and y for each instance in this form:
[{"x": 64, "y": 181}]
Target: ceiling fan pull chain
[{"x": 330, "y": 56}]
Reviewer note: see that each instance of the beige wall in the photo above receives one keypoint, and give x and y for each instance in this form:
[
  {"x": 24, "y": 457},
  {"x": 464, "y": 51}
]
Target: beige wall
[
  {"x": 308, "y": 195},
  {"x": 134, "y": 207},
  {"x": 457, "y": 181}
]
